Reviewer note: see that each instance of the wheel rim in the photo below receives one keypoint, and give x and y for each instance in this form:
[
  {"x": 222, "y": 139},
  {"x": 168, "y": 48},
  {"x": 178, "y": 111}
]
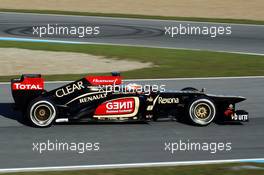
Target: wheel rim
[
  {"x": 202, "y": 111},
  {"x": 42, "y": 113}
]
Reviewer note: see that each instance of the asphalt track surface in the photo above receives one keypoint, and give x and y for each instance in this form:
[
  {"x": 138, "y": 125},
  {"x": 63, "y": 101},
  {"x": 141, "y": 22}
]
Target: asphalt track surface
[
  {"x": 151, "y": 33},
  {"x": 136, "y": 143}
]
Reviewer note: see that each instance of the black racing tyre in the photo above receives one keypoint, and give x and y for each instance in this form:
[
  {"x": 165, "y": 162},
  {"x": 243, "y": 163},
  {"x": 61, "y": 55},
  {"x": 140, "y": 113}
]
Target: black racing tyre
[
  {"x": 41, "y": 113},
  {"x": 189, "y": 89},
  {"x": 201, "y": 111}
]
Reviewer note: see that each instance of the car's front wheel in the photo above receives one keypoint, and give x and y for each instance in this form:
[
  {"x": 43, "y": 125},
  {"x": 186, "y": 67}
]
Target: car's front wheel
[
  {"x": 202, "y": 111},
  {"x": 41, "y": 112}
]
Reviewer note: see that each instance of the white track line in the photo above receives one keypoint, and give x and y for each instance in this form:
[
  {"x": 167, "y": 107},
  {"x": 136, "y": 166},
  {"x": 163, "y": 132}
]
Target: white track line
[
  {"x": 129, "y": 165},
  {"x": 168, "y": 79}
]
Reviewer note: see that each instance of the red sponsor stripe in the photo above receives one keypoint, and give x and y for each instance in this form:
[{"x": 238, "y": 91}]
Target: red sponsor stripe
[
  {"x": 116, "y": 107},
  {"x": 29, "y": 84},
  {"x": 104, "y": 80}
]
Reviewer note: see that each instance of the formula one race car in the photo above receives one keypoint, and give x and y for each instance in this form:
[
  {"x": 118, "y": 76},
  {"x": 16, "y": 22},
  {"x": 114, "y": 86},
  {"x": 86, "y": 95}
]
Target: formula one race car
[{"x": 105, "y": 98}]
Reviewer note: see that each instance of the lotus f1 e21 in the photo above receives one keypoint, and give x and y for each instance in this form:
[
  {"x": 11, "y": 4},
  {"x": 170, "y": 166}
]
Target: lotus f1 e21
[{"x": 89, "y": 100}]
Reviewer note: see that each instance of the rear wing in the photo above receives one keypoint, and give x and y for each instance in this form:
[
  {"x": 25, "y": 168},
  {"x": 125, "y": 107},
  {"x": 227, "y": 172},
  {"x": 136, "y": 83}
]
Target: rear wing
[{"x": 26, "y": 88}]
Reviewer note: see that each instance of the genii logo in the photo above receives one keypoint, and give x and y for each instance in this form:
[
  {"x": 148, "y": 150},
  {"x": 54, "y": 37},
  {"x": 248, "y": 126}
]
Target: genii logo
[
  {"x": 29, "y": 84},
  {"x": 122, "y": 107}
]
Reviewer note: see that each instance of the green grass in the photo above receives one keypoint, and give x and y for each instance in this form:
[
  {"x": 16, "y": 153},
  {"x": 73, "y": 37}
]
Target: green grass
[
  {"x": 216, "y": 169},
  {"x": 169, "y": 63},
  {"x": 218, "y": 20}
]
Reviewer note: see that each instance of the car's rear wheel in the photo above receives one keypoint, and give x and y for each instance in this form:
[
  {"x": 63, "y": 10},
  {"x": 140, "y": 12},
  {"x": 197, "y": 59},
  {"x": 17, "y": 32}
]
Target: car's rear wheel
[
  {"x": 202, "y": 111},
  {"x": 42, "y": 113}
]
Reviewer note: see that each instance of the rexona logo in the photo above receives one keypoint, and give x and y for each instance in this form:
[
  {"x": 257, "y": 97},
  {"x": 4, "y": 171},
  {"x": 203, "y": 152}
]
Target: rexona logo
[
  {"x": 120, "y": 106},
  {"x": 69, "y": 89},
  {"x": 92, "y": 98},
  {"x": 104, "y": 80},
  {"x": 162, "y": 100},
  {"x": 29, "y": 84}
]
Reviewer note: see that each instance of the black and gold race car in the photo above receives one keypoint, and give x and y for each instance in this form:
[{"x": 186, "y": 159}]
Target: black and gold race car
[{"x": 107, "y": 99}]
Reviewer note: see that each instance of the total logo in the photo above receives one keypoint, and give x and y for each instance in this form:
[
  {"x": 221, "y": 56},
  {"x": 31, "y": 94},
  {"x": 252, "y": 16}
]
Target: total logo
[
  {"x": 69, "y": 89},
  {"x": 162, "y": 100},
  {"x": 19, "y": 86}
]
